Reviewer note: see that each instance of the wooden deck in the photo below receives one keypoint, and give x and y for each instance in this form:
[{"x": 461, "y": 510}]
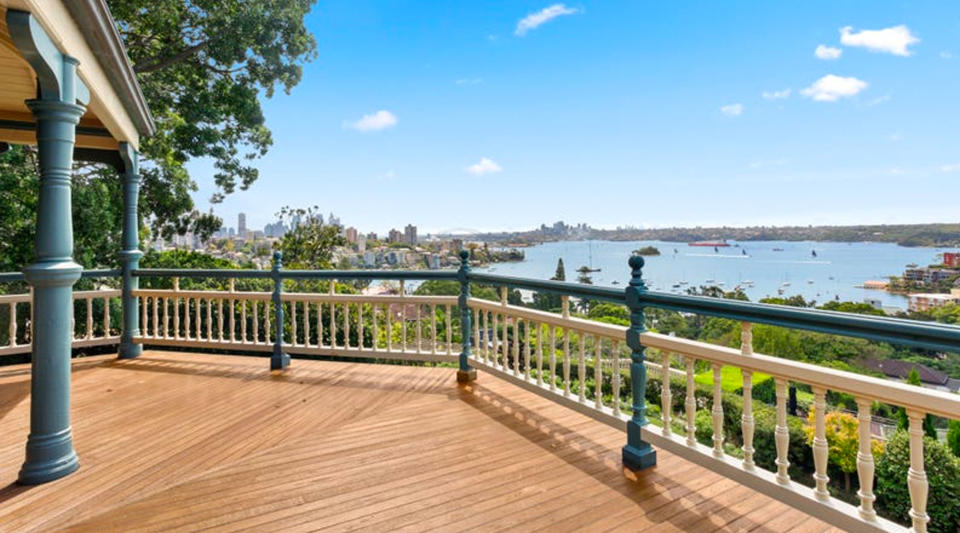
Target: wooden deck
[{"x": 177, "y": 441}]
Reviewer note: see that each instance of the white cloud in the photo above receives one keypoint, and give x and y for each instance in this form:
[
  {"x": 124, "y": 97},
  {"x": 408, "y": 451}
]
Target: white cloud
[
  {"x": 955, "y": 167},
  {"x": 732, "y": 110},
  {"x": 776, "y": 95},
  {"x": 893, "y": 40},
  {"x": 831, "y": 88},
  {"x": 380, "y": 120},
  {"x": 946, "y": 55},
  {"x": 827, "y": 52},
  {"x": 534, "y": 20},
  {"x": 485, "y": 166}
]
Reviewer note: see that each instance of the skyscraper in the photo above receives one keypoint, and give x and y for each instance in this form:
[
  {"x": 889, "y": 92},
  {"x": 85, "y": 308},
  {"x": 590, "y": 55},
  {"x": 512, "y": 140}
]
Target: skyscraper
[
  {"x": 242, "y": 224},
  {"x": 410, "y": 234}
]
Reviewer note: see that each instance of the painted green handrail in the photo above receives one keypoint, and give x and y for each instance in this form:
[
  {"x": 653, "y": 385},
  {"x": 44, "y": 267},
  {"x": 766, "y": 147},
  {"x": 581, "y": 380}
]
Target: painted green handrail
[
  {"x": 577, "y": 290},
  {"x": 10, "y": 277},
  {"x": 340, "y": 275}
]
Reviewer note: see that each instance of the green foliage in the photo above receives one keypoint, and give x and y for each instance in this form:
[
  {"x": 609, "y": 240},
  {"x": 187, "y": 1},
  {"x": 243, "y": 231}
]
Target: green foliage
[
  {"x": 852, "y": 307},
  {"x": 546, "y": 301},
  {"x": 943, "y": 475},
  {"x": 953, "y": 437},
  {"x": 309, "y": 245}
]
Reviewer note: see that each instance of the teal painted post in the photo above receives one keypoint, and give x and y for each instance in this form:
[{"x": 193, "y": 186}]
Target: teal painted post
[
  {"x": 637, "y": 454},
  {"x": 130, "y": 254},
  {"x": 50, "y": 454},
  {"x": 466, "y": 373},
  {"x": 279, "y": 360}
]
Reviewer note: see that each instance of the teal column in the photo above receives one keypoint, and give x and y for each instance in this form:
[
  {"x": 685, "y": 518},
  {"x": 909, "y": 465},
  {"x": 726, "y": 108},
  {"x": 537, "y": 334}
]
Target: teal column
[
  {"x": 637, "y": 454},
  {"x": 466, "y": 373},
  {"x": 50, "y": 453},
  {"x": 279, "y": 360},
  {"x": 130, "y": 254}
]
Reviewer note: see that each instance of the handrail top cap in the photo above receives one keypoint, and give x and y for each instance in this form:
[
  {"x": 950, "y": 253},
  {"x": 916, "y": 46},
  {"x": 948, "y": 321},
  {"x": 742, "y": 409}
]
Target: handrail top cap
[
  {"x": 464, "y": 255},
  {"x": 277, "y": 255},
  {"x": 636, "y": 262}
]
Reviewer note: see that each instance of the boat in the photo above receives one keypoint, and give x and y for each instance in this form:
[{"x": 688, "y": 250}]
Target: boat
[
  {"x": 813, "y": 253},
  {"x": 615, "y": 282},
  {"x": 810, "y": 281},
  {"x": 743, "y": 251},
  {"x": 711, "y": 280},
  {"x": 912, "y": 265},
  {"x": 684, "y": 282},
  {"x": 676, "y": 286},
  {"x": 708, "y": 244},
  {"x": 719, "y": 284},
  {"x": 785, "y": 284},
  {"x": 778, "y": 249},
  {"x": 585, "y": 269}
]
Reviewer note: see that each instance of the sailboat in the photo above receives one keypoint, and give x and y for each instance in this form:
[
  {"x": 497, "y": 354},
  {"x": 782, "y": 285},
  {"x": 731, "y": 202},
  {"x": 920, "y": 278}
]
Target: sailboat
[
  {"x": 813, "y": 253},
  {"x": 585, "y": 269}
]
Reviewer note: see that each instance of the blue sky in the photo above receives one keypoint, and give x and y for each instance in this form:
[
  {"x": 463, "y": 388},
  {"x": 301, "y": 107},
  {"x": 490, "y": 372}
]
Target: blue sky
[{"x": 459, "y": 115}]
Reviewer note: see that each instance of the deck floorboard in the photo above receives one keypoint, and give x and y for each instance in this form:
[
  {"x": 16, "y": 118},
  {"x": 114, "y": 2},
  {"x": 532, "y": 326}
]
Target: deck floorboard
[{"x": 176, "y": 441}]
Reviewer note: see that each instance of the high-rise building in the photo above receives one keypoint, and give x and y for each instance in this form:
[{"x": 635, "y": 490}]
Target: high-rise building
[
  {"x": 395, "y": 236},
  {"x": 372, "y": 236},
  {"x": 242, "y": 224},
  {"x": 351, "y": 235},
  {"x": 410, "y": 234}
]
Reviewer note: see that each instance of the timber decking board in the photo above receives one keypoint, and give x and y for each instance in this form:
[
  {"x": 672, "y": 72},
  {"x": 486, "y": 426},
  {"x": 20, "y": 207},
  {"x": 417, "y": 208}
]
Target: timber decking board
[{"x": 179, "y": 441}]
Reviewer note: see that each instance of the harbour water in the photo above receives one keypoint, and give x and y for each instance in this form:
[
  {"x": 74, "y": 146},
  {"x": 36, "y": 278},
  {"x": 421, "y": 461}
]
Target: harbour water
[{"x": 818, "y": 271}]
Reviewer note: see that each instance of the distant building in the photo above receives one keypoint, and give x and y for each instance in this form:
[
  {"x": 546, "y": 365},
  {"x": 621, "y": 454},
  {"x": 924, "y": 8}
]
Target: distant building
[
  {"x": 361, "y": 243},
  {"x": 242, "y": 224},
  {"x": 926, "y": 301},
  {"x": 951, "y": 259},
  {"x": 410, "y": 234},
  {"x": 372, "y": 236},
  {"x": 929, "y": 377},
  {"x": 876, "y": 284},
  {"x": 351, "y": 235},
  {"x": 395, "y": 236},
  {"x": 929, "y": 275},
  {"x": 277, "y": 229},
  {"x": 333, "y": 220}
]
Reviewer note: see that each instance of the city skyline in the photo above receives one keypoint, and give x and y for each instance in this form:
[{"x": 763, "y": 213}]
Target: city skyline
[{"x": 496, "y": 117}]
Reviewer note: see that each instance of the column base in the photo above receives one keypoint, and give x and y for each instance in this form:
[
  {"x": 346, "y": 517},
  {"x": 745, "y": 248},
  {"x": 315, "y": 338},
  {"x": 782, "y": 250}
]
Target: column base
[
  {"x": 637, "y": 454},
  {"x": 466, "y": 376},
  {"x": 129, "y": 351},
  {"x": 49, "y": 457},
  {"x": 279, "y": 361}
]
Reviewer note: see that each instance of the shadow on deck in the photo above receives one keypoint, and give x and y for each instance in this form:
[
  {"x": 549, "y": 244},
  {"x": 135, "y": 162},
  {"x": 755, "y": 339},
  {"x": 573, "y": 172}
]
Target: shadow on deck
[{"x": 175, "y": 441}]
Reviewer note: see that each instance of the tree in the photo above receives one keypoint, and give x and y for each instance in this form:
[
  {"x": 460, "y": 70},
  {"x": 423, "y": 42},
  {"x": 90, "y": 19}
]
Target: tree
[
  {"x": 202, "y": 66},
  {"x": 560, "y": 274},
  {"x": 548, "y": 301},
  {"x": 309, "y": 245},
  {"x": 903, "y": 422}
]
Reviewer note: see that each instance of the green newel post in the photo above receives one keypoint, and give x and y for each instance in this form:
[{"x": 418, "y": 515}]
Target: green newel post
[
  {"x": 279, "y": 360},
  {"x": 130, "y": 254},
  {"x": 466, "y": 373},
  {"x": 637, "y": 454}
]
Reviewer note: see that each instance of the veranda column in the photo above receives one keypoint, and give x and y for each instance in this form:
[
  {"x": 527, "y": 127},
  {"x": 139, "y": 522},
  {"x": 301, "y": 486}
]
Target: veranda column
[
  {"x": 637, "y": 454},
  {"x": 50, "y": 454},
  {"x": 130, "y": 254}
]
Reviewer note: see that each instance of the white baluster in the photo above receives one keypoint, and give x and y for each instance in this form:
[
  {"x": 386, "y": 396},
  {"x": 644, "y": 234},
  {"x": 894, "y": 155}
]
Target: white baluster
[
  {"x": 526, "y": 350},
  {"x": 916, "y": 475},
  {"x": 220, "y": 319},
  {"x": 865, "y": 465},
  {"x": 566, "y": 362},
  {"x": 306, "y": 323},
  {"x": 13, "y": 324},
  {"x": 433, "y": 328},
  {"x": 360, "y": 326},
  {"x": 293, "y": 323},
  {"x": 403, "y": 323},
  {"x": 690, "y": 402},
  {"x": 476, "y": 334},
  {"x": 553, "y": 357},
  {"x": 333, "y": 321},
  {"x": 616, "y": 378},
  {"x": 389, "y": 317},
  {"x": 376, "y": 329},
  {"x": 106, "y": 317},
  {"x": 666, "y": 398},
  {"x": 143, "y": 316},
  {"x": 199, "y": 320},
  {"x": 582, "y": 369},
  {"x": 255, "y": 322},
  {"x": 419, "y": 329},
  {"x": 517, "y": 322},
  {"x": 156, "y": 319},
  {"x": 820, "y": 446},
  {"x": 266, "y": 322},
  {"x": 346, "y": 325},
  {"x": 449, "y": 331},
  {"x": 782, "y": 433},
  {"x": 496, "y": 340},
  {"x": 209, "y": 320},
  {"x": 231, "y": 322},
  {"x": 176, "y": 309},
  {"x": 598, "y": 372},
  {"x": 717, "y": 411},
  {"x": 747, "y": 424},
  {"x": 243, "y": 319}
]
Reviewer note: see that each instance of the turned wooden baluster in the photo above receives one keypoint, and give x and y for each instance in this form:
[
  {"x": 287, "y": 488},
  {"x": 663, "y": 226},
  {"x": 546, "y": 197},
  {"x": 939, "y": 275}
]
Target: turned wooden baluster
[
  {"x": 346, "y": 325},
  {"x": 746, "y": 419},
  {"x": 220, "y": 319},
  {"x": 198, "y": 321},
  {"x": 448, "y": 330},
  {"x": 916, "y": 475},
  {"x": 553, "y": 357},
  {"x": 496, "y": 339},
  {"x": 598, "y": 373},
  {"x": 782, "y": 433},
  {"x": 865, "y": 466},
  {"x": 209, "y": 320},
  {"x": 13, "y": 324},
  {"x": 690, "y": 402},
  {"x": 526, "y": 350},
  {"x": 403, "y": 325},
  {"x": 360, "y": 325},
  {"x": 333, "y": 322},
  {"x": 417, "y": 321},
  {"x": 293, "y": 322},
  {"x": 820, "y": 446},
  {"x": 717, "y": 411},
  {"x": 89, "y": 334},
  {"x": 666, "y": 397},
  {"x": 106, "y": 318},
  {"x": 517, "y": 322},
  {"x": 156, "y": 328},
  {"x": 255, "y": 321},
  {"x": 231, "y": 322},
  {"x": 616, "y": 378},
  {"x": 582, "y": 369},
  {"x": 566, "y": 346}
]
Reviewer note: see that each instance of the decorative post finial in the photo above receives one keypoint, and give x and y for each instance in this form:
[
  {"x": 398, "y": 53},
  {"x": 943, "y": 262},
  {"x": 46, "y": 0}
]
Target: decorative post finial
[{"x": 279, "y": 360}]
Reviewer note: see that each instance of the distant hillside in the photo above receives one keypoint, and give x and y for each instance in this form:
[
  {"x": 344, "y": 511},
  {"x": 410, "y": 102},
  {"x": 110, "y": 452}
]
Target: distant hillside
[{"x": 933, "y": 235}]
